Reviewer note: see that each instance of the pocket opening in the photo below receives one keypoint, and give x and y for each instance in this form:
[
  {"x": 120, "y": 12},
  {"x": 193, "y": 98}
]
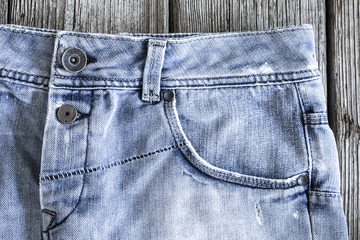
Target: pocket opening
[{"x": 219, "y": 173}]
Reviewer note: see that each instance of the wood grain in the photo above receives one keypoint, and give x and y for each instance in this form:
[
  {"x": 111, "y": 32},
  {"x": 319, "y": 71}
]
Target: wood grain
[
  {"x": 344, "y": 79},
  {"x": 105, "y": 16},
  {"x": 4, "y": 11},
  {"x": 200, "y": 16}
]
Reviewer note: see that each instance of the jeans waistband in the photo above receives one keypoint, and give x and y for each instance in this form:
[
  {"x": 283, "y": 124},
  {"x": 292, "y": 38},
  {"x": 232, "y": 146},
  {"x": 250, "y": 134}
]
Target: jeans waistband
[{"x": 189, "y": 59}]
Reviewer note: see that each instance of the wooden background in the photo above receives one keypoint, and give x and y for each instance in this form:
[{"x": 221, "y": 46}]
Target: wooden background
[{"x": 337, "y": 32}]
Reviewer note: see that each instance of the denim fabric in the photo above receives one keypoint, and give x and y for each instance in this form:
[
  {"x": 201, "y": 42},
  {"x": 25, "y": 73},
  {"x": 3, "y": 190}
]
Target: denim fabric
[{"x": 227, "y": 158}]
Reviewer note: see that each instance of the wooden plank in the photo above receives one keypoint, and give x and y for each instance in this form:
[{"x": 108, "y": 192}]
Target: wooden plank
[
  {"x": 4, "y": 6},
  {"x": 344, "y": 80},
  {"x": 106, "y": 16},
  {"x": 240, "y": 15},
  {"x": 199, "y": 16}
]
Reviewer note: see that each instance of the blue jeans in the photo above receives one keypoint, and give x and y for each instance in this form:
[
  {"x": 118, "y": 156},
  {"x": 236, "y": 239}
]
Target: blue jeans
[{"x": 165, "y": 136}]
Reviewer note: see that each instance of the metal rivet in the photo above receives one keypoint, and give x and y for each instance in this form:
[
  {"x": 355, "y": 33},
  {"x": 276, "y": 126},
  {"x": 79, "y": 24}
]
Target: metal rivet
[
  {"x": 66, "y": 113},
  {"x": 169, "y": 95},
  {"x": 302, "y": 180}
]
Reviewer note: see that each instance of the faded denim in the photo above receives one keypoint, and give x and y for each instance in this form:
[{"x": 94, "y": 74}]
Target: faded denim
[{"x": 221, "y": 160}]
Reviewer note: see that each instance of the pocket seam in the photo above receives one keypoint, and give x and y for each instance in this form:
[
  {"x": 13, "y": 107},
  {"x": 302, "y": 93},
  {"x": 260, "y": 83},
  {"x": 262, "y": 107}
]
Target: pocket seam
[{"x": 214, "y": 171}]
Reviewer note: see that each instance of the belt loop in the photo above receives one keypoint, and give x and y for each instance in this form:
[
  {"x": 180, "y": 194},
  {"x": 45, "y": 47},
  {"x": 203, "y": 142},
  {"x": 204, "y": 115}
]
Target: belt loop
[{"x": 152, "y": 70}]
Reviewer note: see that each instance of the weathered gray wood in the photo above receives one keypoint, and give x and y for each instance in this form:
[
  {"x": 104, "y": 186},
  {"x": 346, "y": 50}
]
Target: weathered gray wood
[
  {"x": 106, "y": 16},
  {"x": 344, "y": 78},
  {"x": 4, "y": 11},
  {"x": 235, "y": 15},
  {"x": 200, "y": 16}
]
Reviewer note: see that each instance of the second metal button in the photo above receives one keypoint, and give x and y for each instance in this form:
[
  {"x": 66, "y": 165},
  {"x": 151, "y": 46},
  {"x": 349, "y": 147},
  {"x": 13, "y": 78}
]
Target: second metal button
[{"x": 66, "y": 113}]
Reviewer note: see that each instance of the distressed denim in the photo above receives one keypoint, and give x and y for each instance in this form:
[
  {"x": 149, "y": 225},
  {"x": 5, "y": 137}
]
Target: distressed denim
[{"x": 177, "y": 136}]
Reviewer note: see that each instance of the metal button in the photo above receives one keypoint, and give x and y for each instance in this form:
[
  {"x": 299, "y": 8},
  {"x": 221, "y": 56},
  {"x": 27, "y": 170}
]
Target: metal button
[
  {"x": 169, "y": 95},
  {"x": 66, "y": 113},
  {"x": 74, "y": 59},
  {"x": 302, "y": 180}
]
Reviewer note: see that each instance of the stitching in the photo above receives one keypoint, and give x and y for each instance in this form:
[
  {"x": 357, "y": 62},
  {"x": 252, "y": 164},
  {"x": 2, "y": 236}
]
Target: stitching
[
  {"x": 156, "y": 67},
  {"x": 158, "y": 44},
  {"x": 22, "y": 82},
  {"x": 187, "y": 39},
  {"x": 148, "y": 82},
  {"x": 306, "y": 134},
  {"x": 309, "y": 154},
  {"x": 238, "y": 84},
  {"x": 316, "y": 115},
  {"x": 96, "y": 79},
  {"x": 189, "y": 87},
  {"x": 56, "y": 59},
  {"x": 245, "y": 180},
  {"x": 193, "y": 36},
  {"x": 148, "y": 95},
  {"x": 275, "y": 74},
  {"x": 22, "y": 73},
  {"x": 282, "y": 81},
  {"x": 325, "y": 194},
  {"x": 242, "y": 179},
  {"x": 172, "y": 119},
  {"x": 311, "y": 78},
  {"x": 109, "y": 165},
  {"x": 22, "y": 31},
  {"x": 315, "y": 118},
  {"x": 318, "y": 123},
  {"x": 21, "y": 27}
]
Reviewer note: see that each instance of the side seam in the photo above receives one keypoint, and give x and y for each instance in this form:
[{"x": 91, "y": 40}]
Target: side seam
[{"x": 308, "y": 149}]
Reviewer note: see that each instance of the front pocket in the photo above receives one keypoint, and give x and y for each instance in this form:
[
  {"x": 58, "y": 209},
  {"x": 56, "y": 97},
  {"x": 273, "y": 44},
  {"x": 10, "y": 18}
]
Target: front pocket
[{"x": 250, "y": 180}]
